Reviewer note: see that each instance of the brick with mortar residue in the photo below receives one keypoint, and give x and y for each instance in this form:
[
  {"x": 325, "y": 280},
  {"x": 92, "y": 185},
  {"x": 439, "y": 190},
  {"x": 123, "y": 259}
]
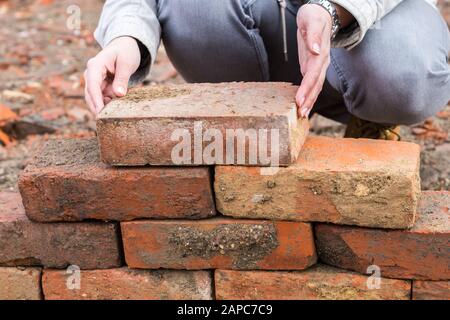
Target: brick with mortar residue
[
  {"x": 423, "y": 252},
  {"x": 343, "y": 181},
  {"x": 66, "y": 181},
  {"x": 431, "y": 290},
  {"x": 218, "y": 243},
  {"x": 317, "y": 283},
  {"x": 127, "y": 284},
  {"x": 207, "y": 121},
  {"x": 54, "y": 245},
  {"x": 20, "y": 284}
]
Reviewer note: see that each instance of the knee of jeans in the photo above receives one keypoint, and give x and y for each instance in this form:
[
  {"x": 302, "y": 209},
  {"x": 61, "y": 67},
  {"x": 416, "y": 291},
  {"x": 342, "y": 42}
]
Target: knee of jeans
[{"x": 406, "y": 96}]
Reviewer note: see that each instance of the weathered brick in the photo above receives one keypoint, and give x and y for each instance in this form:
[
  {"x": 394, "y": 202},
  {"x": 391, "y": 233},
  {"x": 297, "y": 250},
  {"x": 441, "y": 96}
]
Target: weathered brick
[
  {"x": 423, "y": 252},
  {"x": 431, "y": 290},
  {"x": 20, "y": 284},
  {"x": 55, "y": 245},
  {"x": 66, "y": 181},
  {"x": 127, "y": 284},
  {"x": 344, "y": 181},
  {"x": 149, "y": 125},
  {"x": 317, "y": 283},
  {"x": 218, "y": 243}
]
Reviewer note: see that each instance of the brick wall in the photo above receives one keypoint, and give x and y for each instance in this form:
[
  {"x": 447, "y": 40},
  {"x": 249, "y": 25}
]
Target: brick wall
[{"x": 339, "y": 219}]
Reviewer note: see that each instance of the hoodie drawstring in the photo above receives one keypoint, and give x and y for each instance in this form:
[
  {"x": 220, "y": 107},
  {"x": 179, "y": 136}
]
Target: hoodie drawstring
[{"x": 282, "y": 5}]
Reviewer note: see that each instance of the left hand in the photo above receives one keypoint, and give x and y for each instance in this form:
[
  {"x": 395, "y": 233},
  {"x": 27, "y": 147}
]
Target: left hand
[{"x": 314, "y": 44}]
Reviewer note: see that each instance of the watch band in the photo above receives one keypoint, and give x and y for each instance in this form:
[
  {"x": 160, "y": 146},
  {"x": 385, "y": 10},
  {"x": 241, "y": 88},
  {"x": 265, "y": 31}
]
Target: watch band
[{"x": 327, "y": 5}]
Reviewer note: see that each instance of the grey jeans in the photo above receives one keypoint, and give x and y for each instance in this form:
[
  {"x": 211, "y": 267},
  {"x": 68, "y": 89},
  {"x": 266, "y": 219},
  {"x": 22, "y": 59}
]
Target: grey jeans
[{"x": 399, "y": 74}]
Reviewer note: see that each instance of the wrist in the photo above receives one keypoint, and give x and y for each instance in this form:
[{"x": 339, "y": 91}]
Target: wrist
[{"x": 330, "y": 7}]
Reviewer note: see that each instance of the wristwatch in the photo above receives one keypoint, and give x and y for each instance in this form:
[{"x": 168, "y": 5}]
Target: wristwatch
[{"x": 327, "y": 5}]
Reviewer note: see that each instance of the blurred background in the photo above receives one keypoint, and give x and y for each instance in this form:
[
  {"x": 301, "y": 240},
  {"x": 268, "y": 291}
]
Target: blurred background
[{"x": 44, "y": 46}]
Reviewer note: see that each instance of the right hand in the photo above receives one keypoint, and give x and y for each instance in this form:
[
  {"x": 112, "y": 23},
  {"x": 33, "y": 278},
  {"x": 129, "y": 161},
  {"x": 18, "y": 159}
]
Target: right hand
[
  {"x": 108, "y": 73},
  {"x": 314, "y": 43}
]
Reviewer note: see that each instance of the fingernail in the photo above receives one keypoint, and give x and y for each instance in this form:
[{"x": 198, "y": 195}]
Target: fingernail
[
  {"x": 121, "y": 90},
  {"x": 307, "y": 113},
  {"x": 304, "y": 112},
  {"x": 316, "y": 48}
]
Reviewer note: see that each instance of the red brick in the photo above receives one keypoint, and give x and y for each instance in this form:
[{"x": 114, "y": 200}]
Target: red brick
[
  {"x": 218, "y": 243},
  {"x": 360, "y": 182},
  {"x": 20, "y": 284},
  {"x": 431, "y": 290},
  {"x": 316, "y": 283},
  {"x": 422, "y": 252},
  {"x": 67, "y": 182},
  {"x": 137, "y": 129},
  {"x": 127, "y": 284},
  {"x": 55, "y": 245}
]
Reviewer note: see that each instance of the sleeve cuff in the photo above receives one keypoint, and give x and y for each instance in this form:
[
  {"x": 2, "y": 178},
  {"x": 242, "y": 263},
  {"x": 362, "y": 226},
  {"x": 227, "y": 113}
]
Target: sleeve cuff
[
  {"x": 353, "y": 35},
  {"x": 132, "y": 27}
]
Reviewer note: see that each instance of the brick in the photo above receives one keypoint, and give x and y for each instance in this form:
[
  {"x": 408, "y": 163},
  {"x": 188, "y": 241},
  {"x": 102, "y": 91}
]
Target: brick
[
  {"x": 66, "y": 181},
  {"x": 317, "y": 283},
  {"x": 343, "y": 181},
  {"x": 55, "y": 245},
  {"x": 20, "y": 284},
  {"x": 218, "y": 243},
  {"x": 127, "y": 284},
  {"x": 431, "y": 290},
  {"x": 423, "y": 252},
  {"x": 151, "y": 125}
]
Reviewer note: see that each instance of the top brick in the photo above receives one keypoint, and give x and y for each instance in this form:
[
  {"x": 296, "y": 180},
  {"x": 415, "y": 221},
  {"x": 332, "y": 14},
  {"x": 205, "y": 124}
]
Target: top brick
[{"x": 203, "y": 124}]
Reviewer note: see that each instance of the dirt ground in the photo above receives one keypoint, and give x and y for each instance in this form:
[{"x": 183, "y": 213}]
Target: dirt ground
[{"x": 41, "y": 67}]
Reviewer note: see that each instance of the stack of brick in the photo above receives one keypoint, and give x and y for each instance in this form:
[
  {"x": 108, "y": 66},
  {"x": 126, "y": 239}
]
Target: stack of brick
[{"x": 156, "y": 208}]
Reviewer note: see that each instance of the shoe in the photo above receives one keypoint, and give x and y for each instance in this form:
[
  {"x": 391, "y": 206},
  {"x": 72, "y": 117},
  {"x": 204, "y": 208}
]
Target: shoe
[{"x": 359, "y": 128}]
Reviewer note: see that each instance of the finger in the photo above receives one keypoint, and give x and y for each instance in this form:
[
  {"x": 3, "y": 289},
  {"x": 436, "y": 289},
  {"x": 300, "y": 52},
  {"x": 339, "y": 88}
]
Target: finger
[
  {"x": 106, "y": 100},
  {"x": 314, "y": 69},
  {"x": 311, "y": 99},
  {"x": 96, "y": 73},
  {"x": 122, "y": 75},
  {"x": 302, "y": 53},
  {"x": 308, "y": 83},
  {"x": 89, "y": 102},
  {"x": 315, "y": 92},
  {"x": 314, "y": 35},
  {"x": 87, "y": 97},
  {"x": 108, "y": 94}
]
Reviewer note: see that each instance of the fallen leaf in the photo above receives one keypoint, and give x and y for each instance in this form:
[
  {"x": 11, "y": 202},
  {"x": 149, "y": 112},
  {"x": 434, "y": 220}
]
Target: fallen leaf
[
  {"x": 6, "y": 115},
  {"x": 46, "y": 2},
  {"x": 30, "y": 125},
  {"x": 4, "y": 138}
]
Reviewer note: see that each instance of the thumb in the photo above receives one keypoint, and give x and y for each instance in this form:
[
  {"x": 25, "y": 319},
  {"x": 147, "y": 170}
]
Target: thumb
[{"x": 122, "y": 75}]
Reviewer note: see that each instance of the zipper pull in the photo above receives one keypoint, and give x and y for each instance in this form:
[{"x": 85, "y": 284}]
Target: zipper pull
[{"x": 282, "y": 4}]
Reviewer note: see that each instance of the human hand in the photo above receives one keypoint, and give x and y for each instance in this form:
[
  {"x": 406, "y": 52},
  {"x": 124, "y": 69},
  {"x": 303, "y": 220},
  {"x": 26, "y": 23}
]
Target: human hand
[
  {"x": 108, "y": 73},
  {"x": 314, "y": 43}
]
